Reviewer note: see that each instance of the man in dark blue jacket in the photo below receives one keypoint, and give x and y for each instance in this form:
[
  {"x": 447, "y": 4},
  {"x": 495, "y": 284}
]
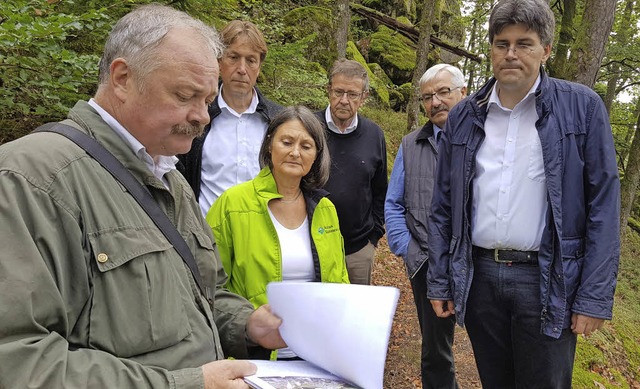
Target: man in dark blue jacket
[{"x": 524, "y": 244}]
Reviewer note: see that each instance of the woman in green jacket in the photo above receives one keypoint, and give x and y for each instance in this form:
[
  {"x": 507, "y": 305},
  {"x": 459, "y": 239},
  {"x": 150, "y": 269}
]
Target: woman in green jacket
[{"x": 280, "y": 226}]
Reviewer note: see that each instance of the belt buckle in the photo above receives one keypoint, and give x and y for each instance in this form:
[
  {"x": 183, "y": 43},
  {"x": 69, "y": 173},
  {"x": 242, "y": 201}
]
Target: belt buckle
[{"x": 496, "y": 257}]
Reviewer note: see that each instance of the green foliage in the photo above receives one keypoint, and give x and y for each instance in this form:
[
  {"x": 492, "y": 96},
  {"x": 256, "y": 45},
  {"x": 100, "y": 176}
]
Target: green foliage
[
  {"x": 611, "y": 356},
  {"x": 394, "y": 52},
  {"x": 405, "y": 90},
  {"x": 378, "y": 89},
  {"x": 623, "y": 120},
  {"x": 317, "y": 22},
  {"x": 289, "y": 78},
  {"x": 377, "y": 71},
  {"x": 40, "y": 76},
  {"x": 393, "y": 124},
  {"x": 265, "y": 14}
]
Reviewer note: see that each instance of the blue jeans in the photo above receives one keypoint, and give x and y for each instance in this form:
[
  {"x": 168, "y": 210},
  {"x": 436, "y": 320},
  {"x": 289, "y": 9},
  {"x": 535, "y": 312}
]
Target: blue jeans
[
  {"x": 503, "y": 320},
  {"x": 437, "y": 369}
]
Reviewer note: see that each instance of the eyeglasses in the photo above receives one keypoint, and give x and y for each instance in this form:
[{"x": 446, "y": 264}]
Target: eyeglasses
[
  {"x": 352, "y": 96},
  {"x": 441, "y": 94},
  {"x": 519, "y": 49}
]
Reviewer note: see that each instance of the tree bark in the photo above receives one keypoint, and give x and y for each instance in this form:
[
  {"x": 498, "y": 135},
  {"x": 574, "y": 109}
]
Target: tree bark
[
  {"x": 430, "y": 15},
  {"x": 558, "y": 67},
  {"x": 342, "y": 28},
  {"x": 623, "y": 33},
  {"x": 588, "y": 52},
  {"x": 629, "y": 184}
]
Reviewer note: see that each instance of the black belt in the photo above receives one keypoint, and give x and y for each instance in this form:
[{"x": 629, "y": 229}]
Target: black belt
[{"x": 506, "y": 255}]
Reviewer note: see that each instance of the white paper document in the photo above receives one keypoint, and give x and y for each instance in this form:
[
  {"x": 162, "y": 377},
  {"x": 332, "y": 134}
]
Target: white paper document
[{"x": 340, "y": 328}]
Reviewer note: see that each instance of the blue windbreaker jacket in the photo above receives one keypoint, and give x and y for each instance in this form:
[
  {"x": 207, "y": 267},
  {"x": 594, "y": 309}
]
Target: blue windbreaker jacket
[{"x": 580, "y": 247}]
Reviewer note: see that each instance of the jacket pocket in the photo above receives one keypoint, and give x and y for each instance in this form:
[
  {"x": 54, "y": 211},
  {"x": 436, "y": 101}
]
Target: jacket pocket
[
  {"x": 572, "y": 260},
  {"x": 572, "y": 248},
  {"x": 138, "y": 297},
  {"x": 416, "y": 257}
]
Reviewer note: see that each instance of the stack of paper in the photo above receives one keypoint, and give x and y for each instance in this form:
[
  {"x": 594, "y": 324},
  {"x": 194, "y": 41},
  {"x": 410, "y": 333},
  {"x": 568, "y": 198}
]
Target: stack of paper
[{"x": 342, "y": 329}]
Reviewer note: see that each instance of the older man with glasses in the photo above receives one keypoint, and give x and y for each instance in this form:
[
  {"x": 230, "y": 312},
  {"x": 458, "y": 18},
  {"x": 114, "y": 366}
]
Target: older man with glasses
[
  {"x": 406, "y": 211},
  {"x": 358, "y": 180}
]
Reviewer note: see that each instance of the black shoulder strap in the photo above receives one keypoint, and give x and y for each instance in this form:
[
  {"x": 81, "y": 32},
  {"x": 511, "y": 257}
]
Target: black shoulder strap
[{"x": 140, "y": 193}]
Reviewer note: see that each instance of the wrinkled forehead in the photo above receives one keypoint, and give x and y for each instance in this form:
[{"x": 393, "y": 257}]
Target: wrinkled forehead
[{"x": 344, "y": 81}]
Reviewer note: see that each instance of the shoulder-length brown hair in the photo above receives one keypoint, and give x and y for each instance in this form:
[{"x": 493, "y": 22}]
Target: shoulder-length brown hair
[{"x": 319, "y": 173}]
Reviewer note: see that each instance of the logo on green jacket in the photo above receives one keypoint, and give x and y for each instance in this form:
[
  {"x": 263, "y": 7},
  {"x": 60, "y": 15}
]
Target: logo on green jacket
[{"x": 327, "y": 229}]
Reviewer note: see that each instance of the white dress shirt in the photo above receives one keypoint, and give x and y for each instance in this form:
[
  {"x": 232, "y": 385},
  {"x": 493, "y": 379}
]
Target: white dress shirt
[
  {"x": 230, "y": 150},
  {"x": 159, "y": 167},
  {"x": 509, "y": 190},
  {"x": 333, "y": 127}
]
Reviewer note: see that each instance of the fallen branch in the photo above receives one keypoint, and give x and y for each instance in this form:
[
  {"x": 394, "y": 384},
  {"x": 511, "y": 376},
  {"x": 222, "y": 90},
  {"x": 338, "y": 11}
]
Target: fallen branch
[{"x": 410, "y": 31}]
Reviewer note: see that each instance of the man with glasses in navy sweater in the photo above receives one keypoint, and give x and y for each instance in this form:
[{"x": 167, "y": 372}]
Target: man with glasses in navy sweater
[{"x": 358, "y": 180}]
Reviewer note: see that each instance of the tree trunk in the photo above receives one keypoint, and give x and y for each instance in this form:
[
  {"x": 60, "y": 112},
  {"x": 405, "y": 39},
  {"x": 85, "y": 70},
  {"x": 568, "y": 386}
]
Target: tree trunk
[
  {"x": 430, "y": 15},
  {"x": 558, "y": 66},
  {"x": 588, "y": 52},
  {"x": 342, "y": 29},
  {"x": 629, "y": 184},
  {"x": 612, "y": 86},
  {"x": 623, "y": 33}
]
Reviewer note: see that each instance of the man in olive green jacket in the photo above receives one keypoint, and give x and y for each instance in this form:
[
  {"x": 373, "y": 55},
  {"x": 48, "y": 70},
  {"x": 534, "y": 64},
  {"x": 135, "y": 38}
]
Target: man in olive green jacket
[{"x": 92, "y": 294}]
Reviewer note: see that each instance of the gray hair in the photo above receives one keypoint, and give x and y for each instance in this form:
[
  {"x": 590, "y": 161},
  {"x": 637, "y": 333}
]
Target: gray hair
[
  {"x": 319, "y": 173},
  {"x": 457, "y": 78},
  {"x": 137, "y": 36},
  {"x": 536, "y": 15},
  {"x": 350, "y": 69}
]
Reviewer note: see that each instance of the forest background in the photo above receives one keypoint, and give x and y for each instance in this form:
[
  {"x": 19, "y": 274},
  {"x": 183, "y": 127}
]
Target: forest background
[{"x": 49, "y": 51}]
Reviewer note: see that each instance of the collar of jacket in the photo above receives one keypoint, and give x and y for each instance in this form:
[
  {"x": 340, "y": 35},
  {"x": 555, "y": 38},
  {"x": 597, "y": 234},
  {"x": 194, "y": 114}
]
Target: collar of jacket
[
  {"x": 262, "y": 108},
  {"x": 480, "y": 99},
  {"x": 266, "y": 188},
  {"x": 84, "y": 118},
  {"x": 425, "y": 133}
]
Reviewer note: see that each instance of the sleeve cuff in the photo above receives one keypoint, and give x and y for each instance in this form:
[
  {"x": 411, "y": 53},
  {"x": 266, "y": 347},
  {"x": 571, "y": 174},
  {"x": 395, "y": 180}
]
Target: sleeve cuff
[{"x": 187, "y": 379}]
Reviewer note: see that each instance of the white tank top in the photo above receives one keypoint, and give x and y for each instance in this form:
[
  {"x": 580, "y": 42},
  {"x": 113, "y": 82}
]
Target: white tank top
[{"x": 297, "y": 260}]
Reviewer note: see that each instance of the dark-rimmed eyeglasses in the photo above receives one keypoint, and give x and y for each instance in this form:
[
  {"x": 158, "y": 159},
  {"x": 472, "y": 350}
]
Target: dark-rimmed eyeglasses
[
  {"x": 519, "y": 49},
  {"x": 441, "y": 94},
  {"x": 352, "y": 96}
]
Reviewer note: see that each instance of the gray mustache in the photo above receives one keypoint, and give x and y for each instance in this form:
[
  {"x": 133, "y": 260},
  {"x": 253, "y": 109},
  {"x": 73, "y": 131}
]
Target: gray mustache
[{"x": 188, "y": 129}]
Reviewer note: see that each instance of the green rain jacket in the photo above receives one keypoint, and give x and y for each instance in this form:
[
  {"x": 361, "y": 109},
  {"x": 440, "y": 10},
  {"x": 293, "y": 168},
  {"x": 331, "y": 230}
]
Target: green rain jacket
[
  {"x": 248, "y": 241},
  {"x": 92, "y": 295}
]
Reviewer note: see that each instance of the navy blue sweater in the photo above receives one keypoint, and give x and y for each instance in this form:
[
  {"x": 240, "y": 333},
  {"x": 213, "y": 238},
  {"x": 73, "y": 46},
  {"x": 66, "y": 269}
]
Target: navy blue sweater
[{"x": 358, "y": 182}]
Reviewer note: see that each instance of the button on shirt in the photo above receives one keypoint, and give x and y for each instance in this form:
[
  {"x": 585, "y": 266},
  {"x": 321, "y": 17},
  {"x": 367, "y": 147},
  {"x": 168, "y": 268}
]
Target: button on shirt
[
  {"x": 230, "y": 151},
  {"x": 509, "y": 189},
  {"x": 159, "y": 167}
]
